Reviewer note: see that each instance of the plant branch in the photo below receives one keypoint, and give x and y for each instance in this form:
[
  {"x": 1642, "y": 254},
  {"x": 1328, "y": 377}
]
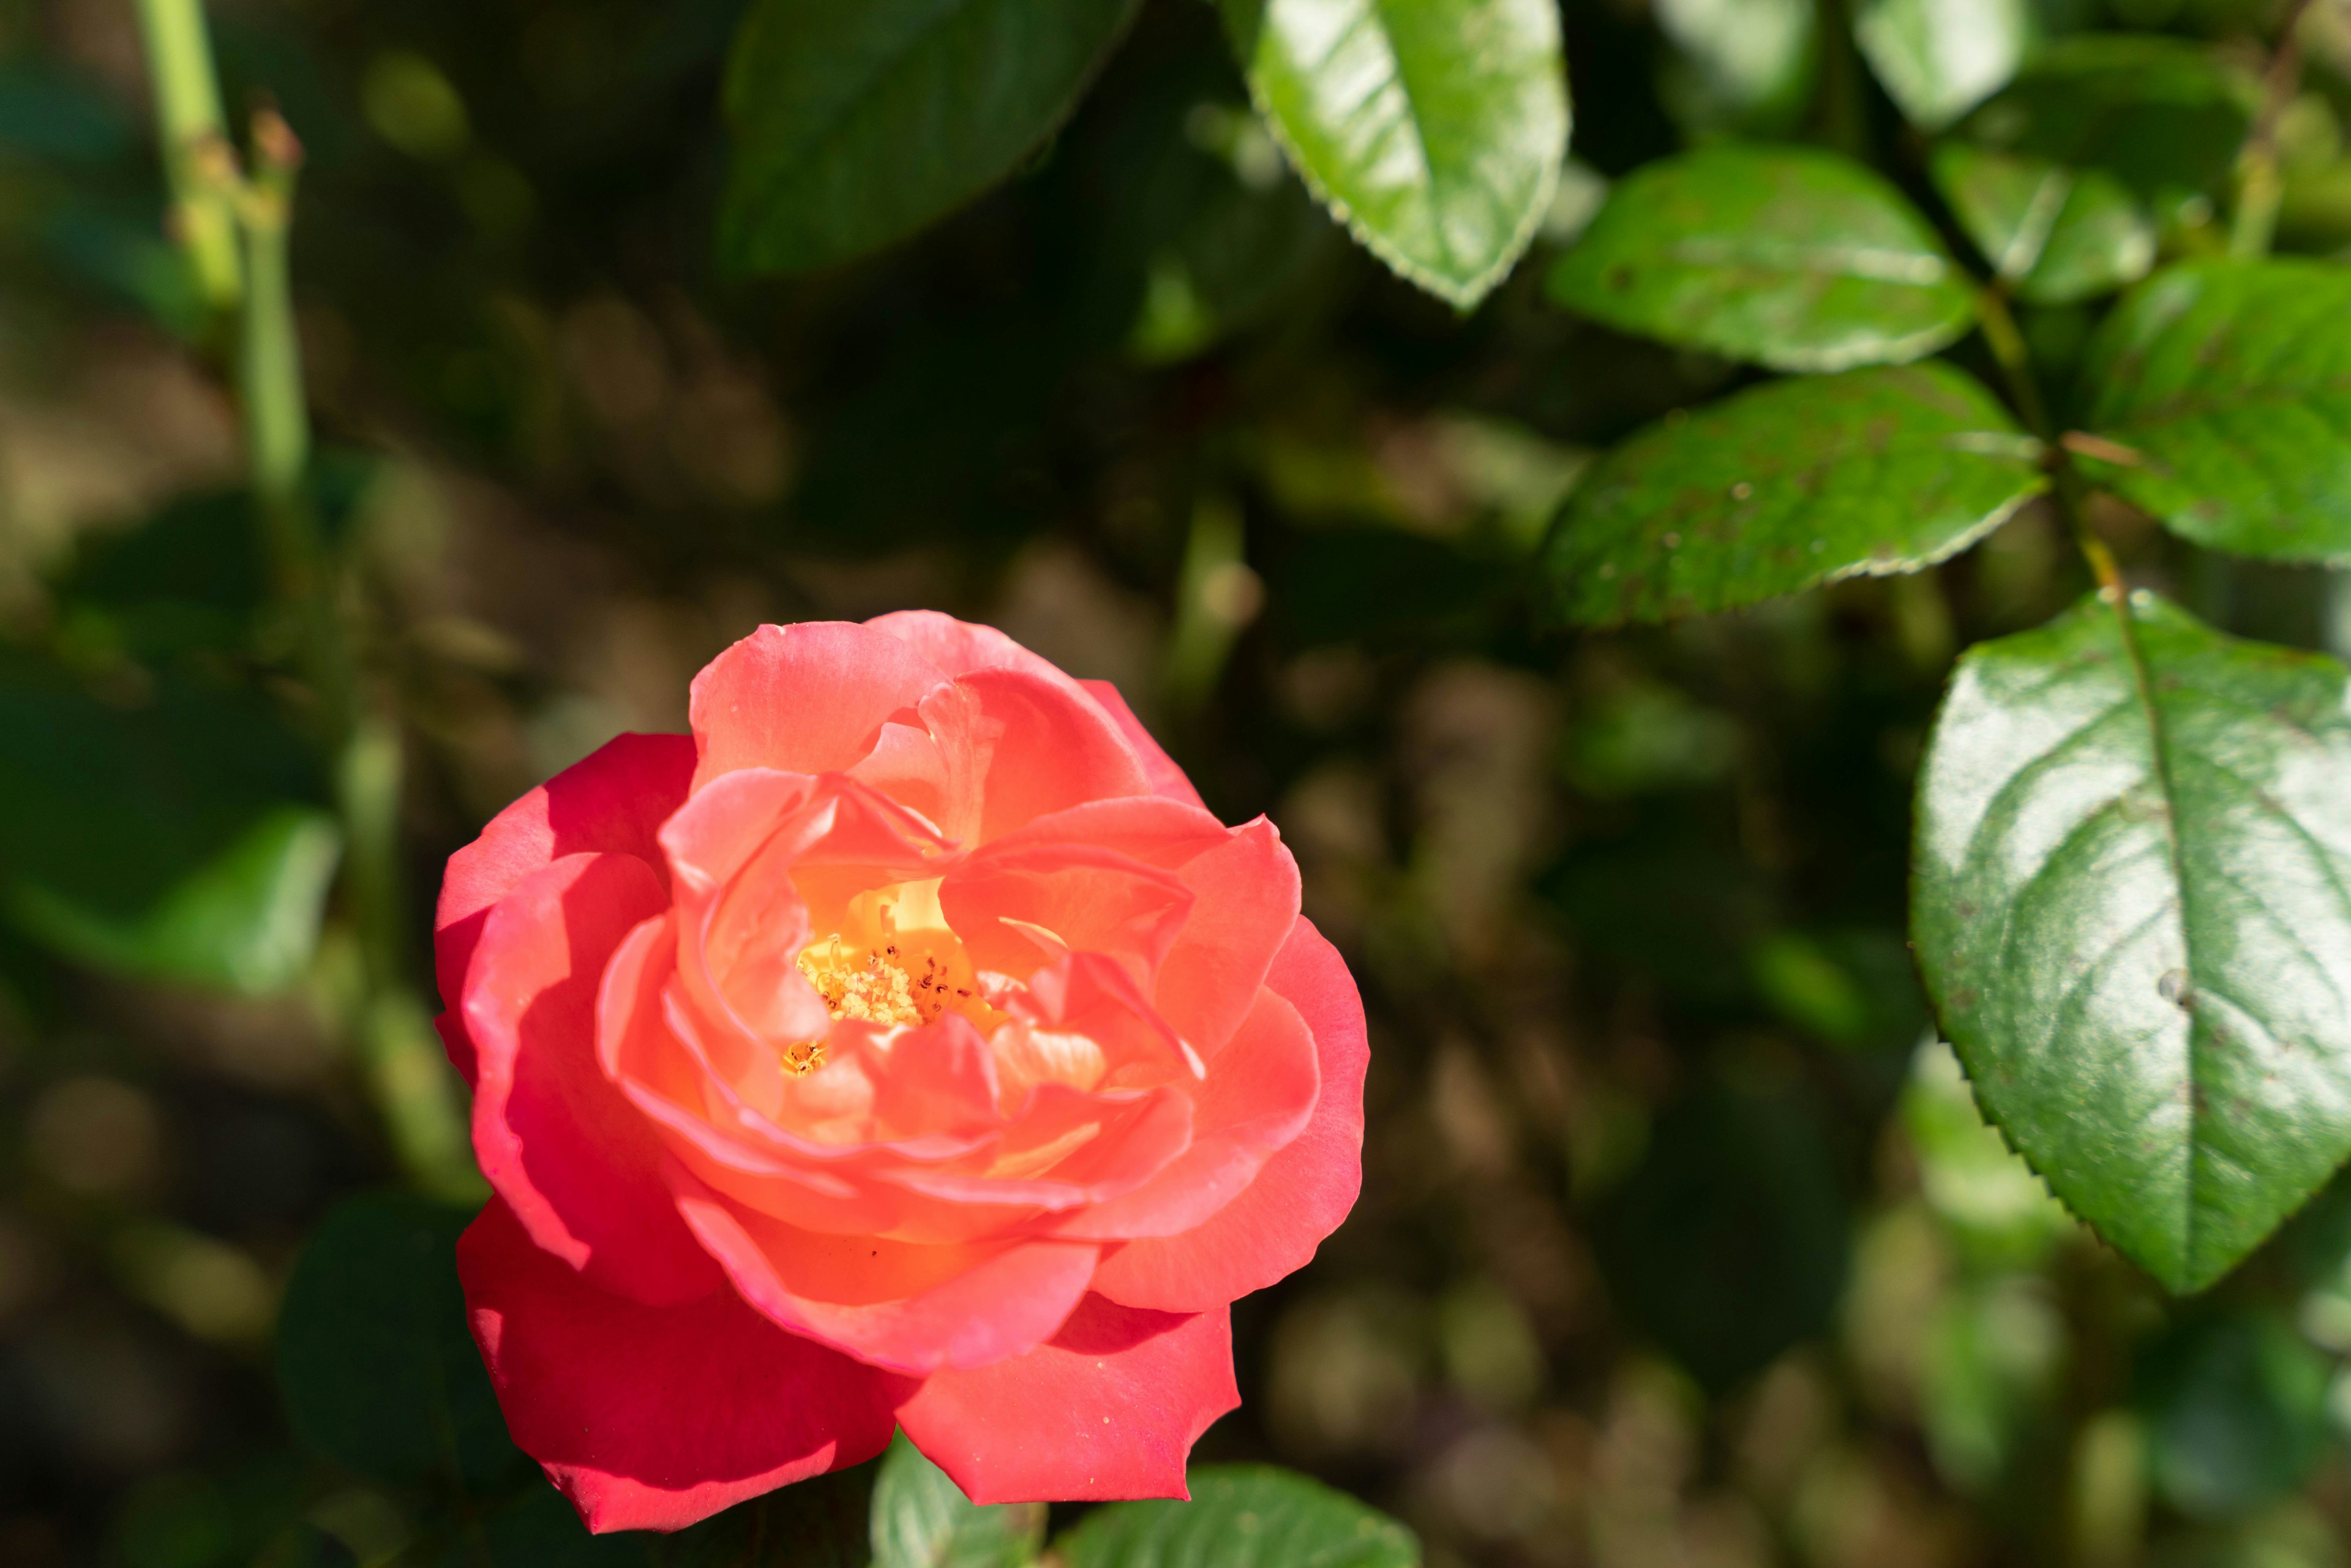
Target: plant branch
[
  {"x": 2260, "y": 186},
  {"x": 194, "y": 140}
]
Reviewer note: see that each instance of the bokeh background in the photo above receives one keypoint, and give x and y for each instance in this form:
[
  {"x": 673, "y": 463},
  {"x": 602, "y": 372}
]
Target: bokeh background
[{"x": 1680, "y": 1243}]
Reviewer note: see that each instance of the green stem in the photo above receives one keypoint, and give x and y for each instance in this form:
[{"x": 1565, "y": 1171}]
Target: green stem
[
  {"x": 2260, "y": 185},
  {"x": 2009, "y": 351},
  {"x": 194, "y": 142}
]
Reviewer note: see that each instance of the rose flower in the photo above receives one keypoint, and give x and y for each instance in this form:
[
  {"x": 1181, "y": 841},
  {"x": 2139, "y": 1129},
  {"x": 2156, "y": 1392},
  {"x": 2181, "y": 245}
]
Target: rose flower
[{"x": 906, "y": 1047}]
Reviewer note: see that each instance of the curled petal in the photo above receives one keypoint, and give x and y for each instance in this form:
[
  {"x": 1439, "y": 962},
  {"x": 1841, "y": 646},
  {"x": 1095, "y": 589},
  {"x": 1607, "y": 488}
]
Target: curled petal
[
  {"x": 615, "y": 800},
  {"x": 1109, "y": 1408},
  {"x": 576, "y": 1163},
  {"x": 1013, "y": 747},
  {"x": 654, "y": 1417},
  {"x": 1167, "y": 781},
  {"x": 806, "y": 698},
  {"x": 1092, "y": 900},
  {"x": 1272, "y": 1229},
  {"x": 1244, "y": 904}
]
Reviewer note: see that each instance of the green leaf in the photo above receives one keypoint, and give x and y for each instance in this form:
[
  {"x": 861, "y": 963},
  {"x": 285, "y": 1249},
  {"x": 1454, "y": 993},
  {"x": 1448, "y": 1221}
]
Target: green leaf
[
  {"x": 1433, "y": 129},
  {"x": 1939, "y": 59},
  {"x": 2160, "y": 113},
  {"x": 2230, "y": 382},
  {"x": 819, "y": 1523},
  {"x": 378, "y": 1369},
  {"x": 1796, "y": 259},
  {"x": 170, "y": 839},
  {"x": 1787, "y": 487},
  {"x": 2129, "y": 906},
  {"x": 1241, "y": 1515},
  {"x": 2236, "y": 1408},
  {"x": 2056, "y": 235},
  {"x": 922, "y": 1520},
  {"x": 1740, "y": 65},
  {"x": 855, "y": 125}
]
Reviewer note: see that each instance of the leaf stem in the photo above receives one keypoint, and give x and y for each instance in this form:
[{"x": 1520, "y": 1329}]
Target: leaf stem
[
  {"x": 189, "y": 124},
  {"x": 2015, "y": 360},
  {"x": 2260, "y": 186}
]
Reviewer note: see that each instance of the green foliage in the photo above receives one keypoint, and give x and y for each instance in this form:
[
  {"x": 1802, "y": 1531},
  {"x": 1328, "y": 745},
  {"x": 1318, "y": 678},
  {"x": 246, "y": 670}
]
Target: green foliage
[
  {"x": 169, "y": 837},
  {"x": 378, "y": 1371},
  {"x": 2163, "y": 114},
  {"x": 2052, "y": 234},
  {"x": 1787, "y": 486},
  {"x": 2236, "y": 1409},
  {"x": 1241, "y": 1515},
  {"x": 1432, "y": 128},
  {"x": 856, "y": 125},
  {"x": 2229, "y": 382},
  {"x": 922, "y": 1520},
  {"x": 2128, "y": 903},
  {"x": 1939, "y": 59},
  {"x": 1795, "y": 259}
]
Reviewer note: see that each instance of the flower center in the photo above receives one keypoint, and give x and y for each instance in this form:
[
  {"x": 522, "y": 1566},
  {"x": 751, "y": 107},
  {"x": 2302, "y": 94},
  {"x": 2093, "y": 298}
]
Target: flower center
[{"x": 893, "y": 963}]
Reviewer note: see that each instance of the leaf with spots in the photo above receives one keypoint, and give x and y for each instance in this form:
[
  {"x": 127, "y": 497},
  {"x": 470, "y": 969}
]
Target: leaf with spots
[
  {"x": 2131, "y": 902},
  {"x": 1241, "y": 1515},
  {"x": 2227, "y": 386},
  {"x": 1784, "y": 256},
  {"x": 1433, "y": 129},
  {"x": 2054, "y": 234},
  {"x": 1787, "y": 487}
]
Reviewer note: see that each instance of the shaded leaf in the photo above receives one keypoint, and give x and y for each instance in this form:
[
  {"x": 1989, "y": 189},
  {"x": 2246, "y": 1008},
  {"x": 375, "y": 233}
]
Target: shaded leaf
[
  {"x": 1241, "y": 1515},
  {"x": 378, "y": 1369},
  {"x": 2236, "y": 1408},
  {"x": 1787, "y": 487},
  {"x": 1797, "y": 259},
  {"x": 1939, "y": 59},
  {"x": 856, "y": 125},
  {"x": 1435, "y": 131},
  {"x": 2160, "y": 113},
  {"x": 2056, "y": 235},
  {"x": 2231, "y": 382},
  {"x": 922, "y": 1520},
  {"x": 173, "y": 840},
  {"x": 819, "y": 1523},
  {"x": 2128, "y": 902}
]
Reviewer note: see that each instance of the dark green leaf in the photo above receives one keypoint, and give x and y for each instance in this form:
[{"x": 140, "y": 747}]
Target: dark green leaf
[
  {"x": 2056, "y": 235},
  {"x": 377, "y": 1366},
  {"x": 1799, "y": 260},
  {"x": 2162, "y": 114},
  {"x": 1939, "y": 59},
  {"x": 1787, "y": 487},
  {"x": 172, "y": 839},
  {"x": 1241, "y": 1515},
  {"x": 2232, "y": 384},
  {"x": 1434, "y": 130},
  {"x": 922, "y": 1520},
  {"x": 2237, "y": 1412},
  {"x": 2129, "y": 906},
  {"x": 856, "y": 125}
]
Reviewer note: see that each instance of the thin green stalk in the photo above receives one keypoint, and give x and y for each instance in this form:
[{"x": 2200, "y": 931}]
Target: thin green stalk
[
  {"x": 2261, "y": 188},
  {"x": 195, "y": 143}
]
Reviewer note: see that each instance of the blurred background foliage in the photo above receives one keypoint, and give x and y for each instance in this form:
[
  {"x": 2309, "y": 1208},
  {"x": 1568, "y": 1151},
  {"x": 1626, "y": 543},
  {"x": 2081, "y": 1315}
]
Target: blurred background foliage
[{"x": 1681, "y": 1241}]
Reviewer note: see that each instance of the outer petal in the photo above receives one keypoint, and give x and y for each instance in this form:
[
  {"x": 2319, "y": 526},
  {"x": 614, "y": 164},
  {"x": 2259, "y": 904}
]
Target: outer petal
[
  {"x": 806, "y": 698},
  {"x": 1245, "y": 902},
  {"x": 652, "y": 1418},
  {"x": 1304, "y": 1191},
  {"x": 1167, "y": 778},
  {"x": 959, "y": 647},
  {"x": 615, "y": 800},
  {"x": 909, "y": 1307},
  {"x": 1110, "y": 1408},
  {"x": 570, "y": 1156}
]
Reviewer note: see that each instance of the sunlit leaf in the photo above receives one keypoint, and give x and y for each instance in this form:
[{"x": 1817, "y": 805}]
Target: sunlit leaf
[
  {"x": 1740, "y": 64},
  {"x": 2129, "y": 906},
  {"x": 857, "y": 124},
  {"x": 2227, "y": 385},
  {"x": 1797, "y": 259},
  {"x": 1241, "y": 1515},
  {"x": 1939, "y": 59},
  {"x": 1787, "y": 486},
  {"x": 1433, "y": 130},
  {"x": 2054, "y": 235},
  {"x": 922, "y": 1520}
]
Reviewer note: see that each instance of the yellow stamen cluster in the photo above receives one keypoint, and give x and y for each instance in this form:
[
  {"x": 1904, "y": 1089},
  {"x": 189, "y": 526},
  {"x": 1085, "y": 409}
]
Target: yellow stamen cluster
[{"x": 880, "y": 991}]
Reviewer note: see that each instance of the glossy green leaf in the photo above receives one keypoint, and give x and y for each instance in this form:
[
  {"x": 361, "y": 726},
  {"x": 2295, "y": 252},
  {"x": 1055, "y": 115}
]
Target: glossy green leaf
[
  {"x": 374, "y": 1359},
  {"x": 857, "y": 124},
  {"x": 2054, "y": 235},
  {"x": 1241, "y": 1515},
  {"x": 1797, "y": 259},
  {"x": 170, "y": 838},
  {"x": 1939, "y": 59},
  {"x": 2129, "y": 906},
  {"x": 2161, "y": 113},
  {"x": 2230, "y": 382},
  {"x": 1787, "y": 487},
  {"x": 1739, "y": 65},
  {"x": 1433, "y": 129},
  {"x": 922, "y": 1520}
]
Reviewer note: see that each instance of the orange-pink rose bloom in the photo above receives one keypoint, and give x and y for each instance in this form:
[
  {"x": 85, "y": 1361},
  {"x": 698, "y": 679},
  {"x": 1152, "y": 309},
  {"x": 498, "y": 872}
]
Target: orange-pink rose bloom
[{"x": 907, "y": 1046}]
